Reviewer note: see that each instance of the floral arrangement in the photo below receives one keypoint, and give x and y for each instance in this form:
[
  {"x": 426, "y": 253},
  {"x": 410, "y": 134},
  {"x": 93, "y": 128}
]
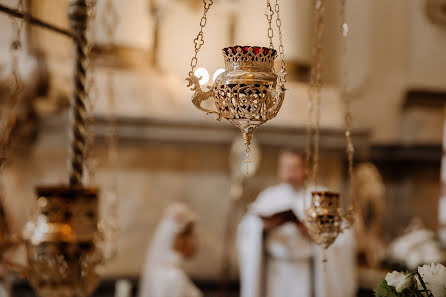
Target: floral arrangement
[
  {"x": 428, "y": 281},
  {"x": 415, "y": 248}
]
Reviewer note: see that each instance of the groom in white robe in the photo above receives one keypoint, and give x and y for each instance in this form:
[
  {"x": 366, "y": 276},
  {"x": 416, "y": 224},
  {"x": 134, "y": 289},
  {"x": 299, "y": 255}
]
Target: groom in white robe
[{"x": 277, "y": 259}]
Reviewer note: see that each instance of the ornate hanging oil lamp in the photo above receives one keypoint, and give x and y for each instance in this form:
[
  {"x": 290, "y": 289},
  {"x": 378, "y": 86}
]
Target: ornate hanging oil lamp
[
  {"x": 325, "y": 218},
  {"x": 62, "y": 240},
  {"x": 249, "y": 92}
]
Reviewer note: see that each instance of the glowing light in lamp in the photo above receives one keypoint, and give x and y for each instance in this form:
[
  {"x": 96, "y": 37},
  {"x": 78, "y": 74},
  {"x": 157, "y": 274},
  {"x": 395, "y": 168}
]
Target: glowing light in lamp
[
  {"x": 203, "y": 75},
  {"x": 220, "y": 70}
]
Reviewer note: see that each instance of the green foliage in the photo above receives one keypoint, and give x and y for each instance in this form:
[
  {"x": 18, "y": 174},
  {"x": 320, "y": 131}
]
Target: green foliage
[{"x": 384, "y": 290}]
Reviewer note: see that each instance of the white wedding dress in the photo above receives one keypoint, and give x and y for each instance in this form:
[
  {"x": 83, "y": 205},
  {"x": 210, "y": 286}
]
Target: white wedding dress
[{"x": 163, "y": 275}]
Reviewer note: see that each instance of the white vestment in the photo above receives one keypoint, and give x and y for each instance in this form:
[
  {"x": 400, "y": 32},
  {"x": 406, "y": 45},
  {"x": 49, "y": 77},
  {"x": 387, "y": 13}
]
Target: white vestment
[
  {"x": 286, "y": 263},
  {"x": 163, "y": 275}
]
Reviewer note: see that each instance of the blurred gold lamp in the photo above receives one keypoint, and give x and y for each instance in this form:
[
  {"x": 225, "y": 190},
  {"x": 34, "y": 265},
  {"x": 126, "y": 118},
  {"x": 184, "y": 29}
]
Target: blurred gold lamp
[
  {"x": 62, "y": 239},
  {"x": 61, "y": 242},
  {"x": 325, "y": 218}
]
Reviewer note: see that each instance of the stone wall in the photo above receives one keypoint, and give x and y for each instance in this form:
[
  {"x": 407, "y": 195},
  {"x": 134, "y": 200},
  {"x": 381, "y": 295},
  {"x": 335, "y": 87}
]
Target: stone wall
[{"x": 152, "y": 173}]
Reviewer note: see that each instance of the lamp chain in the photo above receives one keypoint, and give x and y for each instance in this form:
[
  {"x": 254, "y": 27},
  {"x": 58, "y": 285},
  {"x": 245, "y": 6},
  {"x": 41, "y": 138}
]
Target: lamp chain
[
  {"x": 279, "y": 29},
  {"x": 8, "y": 113},
  {"x": 269, "y": 17},
  {"x": 78, "y": 17},
  {"x": 350, "y": 150},
  {"x": 92, "y": 93},
  {"x": 8, "y": 117},
  {"x": 315, "y": 90},
  {"x": 110, "y": 21},
  {"x": 346, "y": 98},
  {"x": 199, "y": 40}
]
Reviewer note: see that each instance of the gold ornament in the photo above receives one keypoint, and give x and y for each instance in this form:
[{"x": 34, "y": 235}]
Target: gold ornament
[
  {"x": 249, "y": 92},
  {"x": 62, "y": 242},
  {"x": 324, "y": 218}
]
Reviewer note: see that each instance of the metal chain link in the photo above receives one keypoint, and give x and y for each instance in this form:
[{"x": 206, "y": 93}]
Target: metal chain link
[
  {"x": 7, "y": 121},
  {"x": 78, "y": 18},
  {"x": 269, "y": 17},
  {"x": 17, "y": 26},
  {"x": 346, "y": 99},
  {"x": 315, "y": 90},
  {"x": 279, "y": 29},
  {"x": 110, "y": 22},
  {"x": 91, "y": 88},
  {"x": 350, "y": 150},
  {"x": 199, "y": 40},
  {"x": 8, "y": 114}
]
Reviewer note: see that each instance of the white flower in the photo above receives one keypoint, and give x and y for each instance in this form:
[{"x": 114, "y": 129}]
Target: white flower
[
  {"x": 416, "y": 248},
  {"x": 434, "y": 276},
  {"x": 399, "y": 280}
]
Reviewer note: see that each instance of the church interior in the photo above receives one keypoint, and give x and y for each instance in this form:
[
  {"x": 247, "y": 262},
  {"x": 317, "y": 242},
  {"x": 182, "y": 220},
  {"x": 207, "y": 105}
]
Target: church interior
[{"x": 118, "y": 118}]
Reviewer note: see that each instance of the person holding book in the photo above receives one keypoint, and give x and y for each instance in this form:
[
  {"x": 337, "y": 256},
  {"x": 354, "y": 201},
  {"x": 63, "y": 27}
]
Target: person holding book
[{"x": 277, "y": 257}]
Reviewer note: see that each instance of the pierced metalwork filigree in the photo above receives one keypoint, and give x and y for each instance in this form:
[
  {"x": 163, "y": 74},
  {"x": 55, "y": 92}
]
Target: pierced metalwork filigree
[
  {"x": 324, "y": 218},
  {"x": 62, "y": 242},
  {"x": 248, "y": 93}
]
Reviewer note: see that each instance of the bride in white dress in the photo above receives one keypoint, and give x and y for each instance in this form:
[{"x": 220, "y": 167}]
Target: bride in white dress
[{"x": 174, "y": 241}]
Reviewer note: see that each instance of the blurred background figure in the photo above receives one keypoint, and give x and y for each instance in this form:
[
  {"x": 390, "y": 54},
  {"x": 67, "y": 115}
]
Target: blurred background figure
[
  {"x": 277, "y": 257},
  {"x": 174, "y": 241},
  {"x": 369, "y": 191}
]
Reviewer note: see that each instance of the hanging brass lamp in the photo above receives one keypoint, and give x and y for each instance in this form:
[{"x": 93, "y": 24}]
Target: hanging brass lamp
[
  {"x": 249, "y": 92},
  {"x": 324, "y": 218},
  {"x": 61, "y": 242}
]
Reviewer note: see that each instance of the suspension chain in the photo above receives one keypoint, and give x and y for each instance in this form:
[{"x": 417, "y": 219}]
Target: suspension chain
[
  {"x": 315, "y": 89},
  {"x": 78, "y": 17},
  {"x": 110, "y": 21},
  {"x": 8, "y": 120},
  {"x": 269, "y": 17},
  {"x": 8, "y": 114},
  {"x": 199, "y": 40},
  {"x": 347, "y": 100},
  {"x": 350, "y": 150},
  {"x": 92, "y": 93},
  {"x": 279, "y": 29}
]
